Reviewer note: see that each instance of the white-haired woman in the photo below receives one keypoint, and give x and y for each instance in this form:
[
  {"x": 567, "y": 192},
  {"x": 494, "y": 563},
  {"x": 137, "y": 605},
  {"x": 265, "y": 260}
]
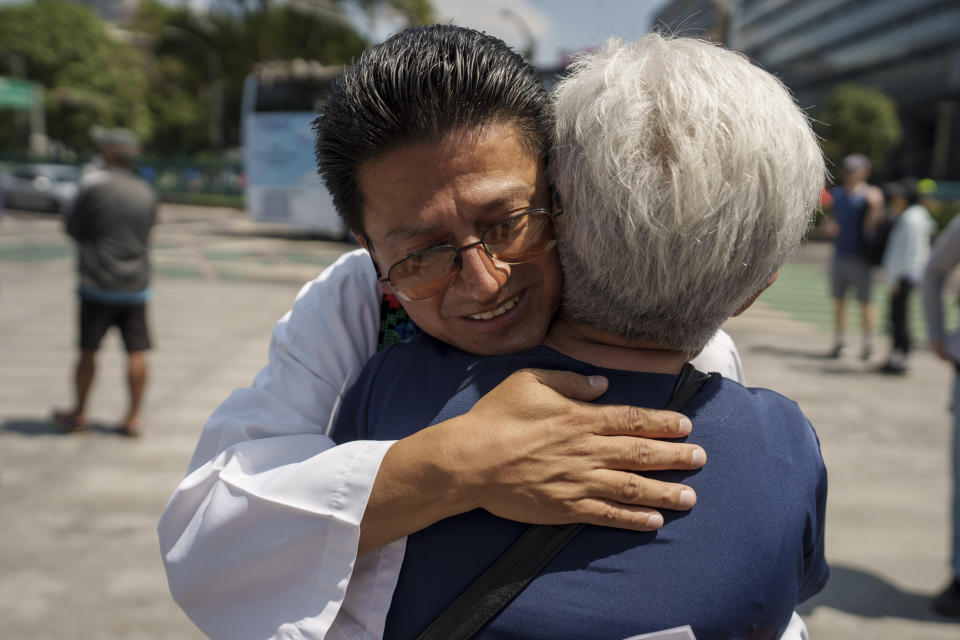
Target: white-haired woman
[{"x": 687, "y": 178}]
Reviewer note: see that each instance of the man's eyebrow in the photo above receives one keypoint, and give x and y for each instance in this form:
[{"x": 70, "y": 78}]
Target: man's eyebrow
[
  {"x": 506, "y": 199},
  {"x": 412, "y": 231}
]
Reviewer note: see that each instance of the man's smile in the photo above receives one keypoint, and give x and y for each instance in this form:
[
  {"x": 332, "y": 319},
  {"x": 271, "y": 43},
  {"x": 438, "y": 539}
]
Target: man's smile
[{"x": 499, "y": 311}]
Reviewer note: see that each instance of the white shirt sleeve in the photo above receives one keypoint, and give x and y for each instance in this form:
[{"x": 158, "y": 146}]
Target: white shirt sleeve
[
  {"x": 909, "y": 246},
  {"x": 720, "y": 355},
  {"x": 260, "y": 539}
]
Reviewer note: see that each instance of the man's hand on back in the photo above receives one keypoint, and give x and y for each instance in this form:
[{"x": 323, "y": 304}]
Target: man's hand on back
[{"x": 534, "y": 450}]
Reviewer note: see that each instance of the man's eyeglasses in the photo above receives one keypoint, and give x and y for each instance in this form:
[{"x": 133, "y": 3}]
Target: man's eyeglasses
[{"x": 517, "y": 239}]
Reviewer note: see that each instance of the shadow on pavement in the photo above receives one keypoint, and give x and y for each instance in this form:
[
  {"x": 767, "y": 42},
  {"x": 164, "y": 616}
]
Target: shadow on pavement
[
  {"x": 43, "y": 427},
  {"x": 792, "y": 353},
  {"x": 831, "y": 366},
  {"x": 867, "y": 595},
  {"x": 842, "y": 370}
]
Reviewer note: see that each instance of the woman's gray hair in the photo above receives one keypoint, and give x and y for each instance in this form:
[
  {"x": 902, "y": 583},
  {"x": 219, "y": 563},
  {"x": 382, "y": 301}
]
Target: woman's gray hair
[{"x": 687, "y": 177}]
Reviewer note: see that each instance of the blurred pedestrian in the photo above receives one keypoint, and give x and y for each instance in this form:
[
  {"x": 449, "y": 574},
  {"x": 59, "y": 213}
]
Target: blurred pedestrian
[
  {"x": 857, "y": 210},
  {"x": 943, "y": 258},
  {"x": 904, "y": 259},
  {"x": 111, "y": 222}
]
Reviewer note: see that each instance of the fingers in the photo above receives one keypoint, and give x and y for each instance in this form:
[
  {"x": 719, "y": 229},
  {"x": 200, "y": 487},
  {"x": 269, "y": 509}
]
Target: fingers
[
  {"x": 636, "y": 421},
  {"x": 640, "y": 454},
  {"x": 625, "y": 488},
  {"x": 629, "y": 501},
  {"x": 572, "y": 385},
  {"x": 606, "y": 513}
]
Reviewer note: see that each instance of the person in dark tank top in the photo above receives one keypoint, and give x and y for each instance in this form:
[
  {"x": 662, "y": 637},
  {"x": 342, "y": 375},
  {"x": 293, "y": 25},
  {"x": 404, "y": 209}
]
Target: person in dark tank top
[{"x": 855, "y": 215}]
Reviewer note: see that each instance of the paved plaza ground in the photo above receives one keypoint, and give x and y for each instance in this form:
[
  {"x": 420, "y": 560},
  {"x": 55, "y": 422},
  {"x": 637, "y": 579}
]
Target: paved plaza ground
[{"x": 78, "y": 550}]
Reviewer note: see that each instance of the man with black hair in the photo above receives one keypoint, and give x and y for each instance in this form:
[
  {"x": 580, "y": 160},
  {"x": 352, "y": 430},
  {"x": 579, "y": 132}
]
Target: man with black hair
[{"x": 277, "y": 531}]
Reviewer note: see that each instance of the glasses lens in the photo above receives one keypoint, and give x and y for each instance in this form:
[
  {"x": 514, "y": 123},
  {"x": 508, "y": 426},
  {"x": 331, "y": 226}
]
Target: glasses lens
[
  {"x": 424, "y": 274},
  {"x": 521, "y": 237}
]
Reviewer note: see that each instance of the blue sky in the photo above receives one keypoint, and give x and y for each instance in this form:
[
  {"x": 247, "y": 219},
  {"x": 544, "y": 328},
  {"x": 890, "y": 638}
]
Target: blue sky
[{"x": 557, "y": 26}]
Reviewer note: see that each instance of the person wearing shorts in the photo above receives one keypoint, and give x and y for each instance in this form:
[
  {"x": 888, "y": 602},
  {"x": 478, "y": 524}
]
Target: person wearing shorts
[
  {"x": 848, "y": 272},
  {"x": 857, "y": 209},
  {"x": 96, "y": 319},
  {"x": 111, "y": 222}
]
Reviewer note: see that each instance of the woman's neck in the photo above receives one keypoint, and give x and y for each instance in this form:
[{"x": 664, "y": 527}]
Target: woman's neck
[{"x": 589, "y": 345}]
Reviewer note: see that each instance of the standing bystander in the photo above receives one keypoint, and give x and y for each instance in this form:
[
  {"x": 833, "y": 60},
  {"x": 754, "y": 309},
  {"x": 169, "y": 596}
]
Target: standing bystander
[
  {"x": 903, "y": 262},
  {"x": 857, "y": 208},
  {"x": 110, "y": 222},
  {"x": 943, "y": 258}
]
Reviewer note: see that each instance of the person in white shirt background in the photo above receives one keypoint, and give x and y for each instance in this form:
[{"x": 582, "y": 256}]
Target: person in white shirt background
[
  {"x": 904, "y": 259},
  {"x": 277, "y": 532}
]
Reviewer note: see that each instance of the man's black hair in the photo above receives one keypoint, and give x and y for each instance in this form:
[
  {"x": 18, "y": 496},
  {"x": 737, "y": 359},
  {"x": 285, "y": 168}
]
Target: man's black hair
[
  {"x": 418, "y": 86},
  {"x": 892, "y": 191},
  {"x": 911, "y": 190}
]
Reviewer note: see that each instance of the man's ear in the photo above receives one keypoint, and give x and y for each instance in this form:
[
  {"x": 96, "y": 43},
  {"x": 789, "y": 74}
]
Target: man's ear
[
  {"x": 384, "y": 286},
  {"x": 746, "y": 305}
]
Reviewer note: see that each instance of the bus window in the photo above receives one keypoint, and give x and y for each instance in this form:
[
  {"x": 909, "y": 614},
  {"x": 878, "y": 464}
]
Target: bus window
[{"x": 280, "y": 101}]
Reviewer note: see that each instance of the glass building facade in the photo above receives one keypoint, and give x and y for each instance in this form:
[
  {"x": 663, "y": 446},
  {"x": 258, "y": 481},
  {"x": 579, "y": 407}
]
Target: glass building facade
[{"x": 909, "y": 50}]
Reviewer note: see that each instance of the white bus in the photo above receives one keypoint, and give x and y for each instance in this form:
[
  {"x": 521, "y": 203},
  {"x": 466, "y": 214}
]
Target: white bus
[{"x": 280, "y": 100}]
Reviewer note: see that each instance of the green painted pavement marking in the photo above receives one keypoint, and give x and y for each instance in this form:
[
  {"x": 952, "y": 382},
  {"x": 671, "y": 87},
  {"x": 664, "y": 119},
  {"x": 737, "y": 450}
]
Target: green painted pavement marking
[
  {"x": 35, "y": 253},
  {"x": 304, "y": 258},
  {"x": 177, "y": 271},
  {"x": 803, "y": 292},
  {"x": 237, "y": 256},
  {"x": 262, "y": 276},
  {"x": 51, "y": 252}
]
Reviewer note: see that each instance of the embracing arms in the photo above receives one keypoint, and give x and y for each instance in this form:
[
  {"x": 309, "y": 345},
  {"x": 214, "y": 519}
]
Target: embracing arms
[{"x": 265, "y": 529}]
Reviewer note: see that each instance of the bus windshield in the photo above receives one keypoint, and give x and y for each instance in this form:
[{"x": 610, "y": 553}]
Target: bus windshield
[{"x": 280, "y": 100}]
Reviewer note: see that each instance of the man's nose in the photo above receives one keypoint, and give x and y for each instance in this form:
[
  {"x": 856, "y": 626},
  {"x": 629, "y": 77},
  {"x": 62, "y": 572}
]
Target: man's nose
[{"x": 481, "y": 276}]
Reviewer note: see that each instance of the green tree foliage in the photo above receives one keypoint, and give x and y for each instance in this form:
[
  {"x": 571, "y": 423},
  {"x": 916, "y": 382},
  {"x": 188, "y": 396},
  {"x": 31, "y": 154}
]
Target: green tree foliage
[
  {"x": 414, "y": 12},
  {"x": 176, "y": 99},
  {"x": 242, "y": 33},
  {"x": 858, "y": 119},
  {"x": 89, "y": 75},
  {"x": 156, "y": 74}
]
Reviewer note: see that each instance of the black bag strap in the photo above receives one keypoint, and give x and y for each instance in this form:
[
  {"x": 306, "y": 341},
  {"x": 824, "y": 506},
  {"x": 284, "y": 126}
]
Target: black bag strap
[{"x": 524, "y": 559}]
